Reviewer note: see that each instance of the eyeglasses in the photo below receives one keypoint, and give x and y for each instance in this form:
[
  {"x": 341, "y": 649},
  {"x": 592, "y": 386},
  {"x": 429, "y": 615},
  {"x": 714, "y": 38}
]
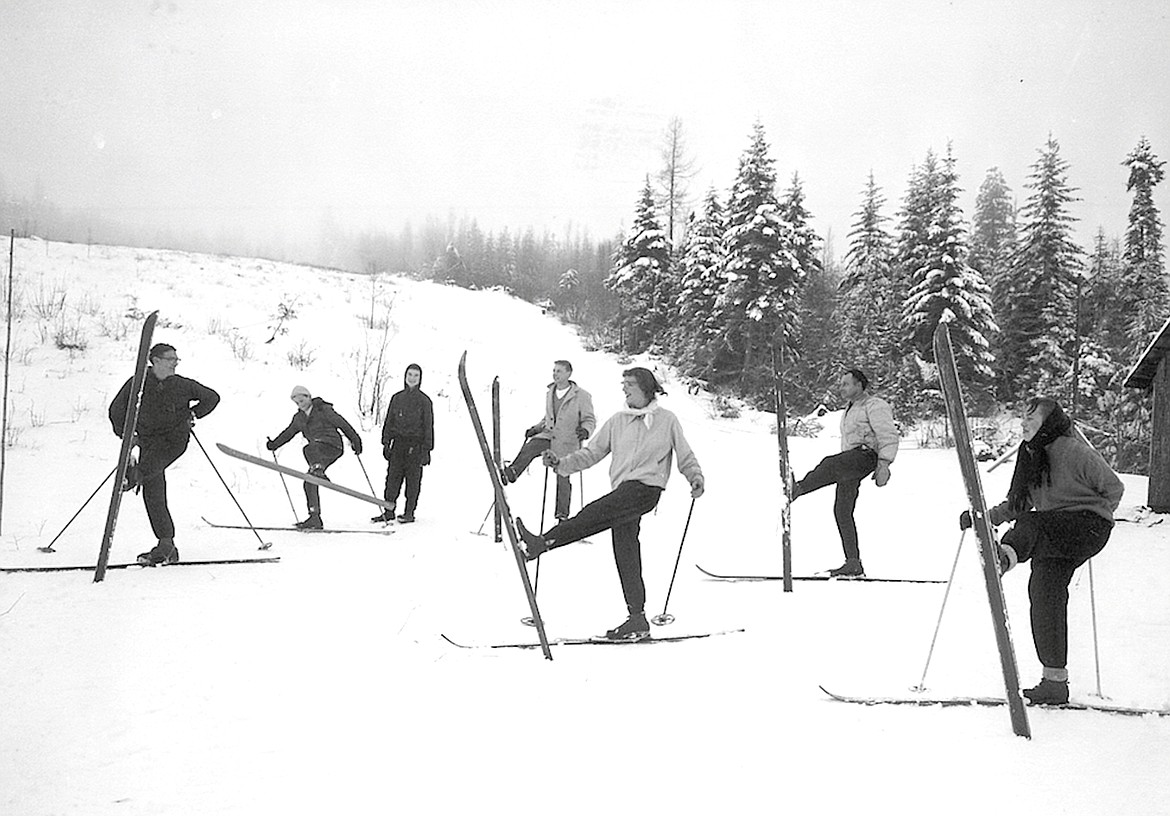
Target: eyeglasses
[{"x": 169, "y": 359}]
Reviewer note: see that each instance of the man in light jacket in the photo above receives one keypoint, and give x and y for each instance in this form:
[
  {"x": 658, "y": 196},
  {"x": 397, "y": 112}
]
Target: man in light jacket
[
  {"x": 869, "y": 443},
  {"x": 568, "y": 421}
]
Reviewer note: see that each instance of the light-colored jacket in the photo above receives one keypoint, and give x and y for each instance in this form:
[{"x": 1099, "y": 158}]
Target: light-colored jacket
[
  {"x": 641, "y": 451},
  {"x": 560, "y": 425},
  {"x": 869, "y": 421}
]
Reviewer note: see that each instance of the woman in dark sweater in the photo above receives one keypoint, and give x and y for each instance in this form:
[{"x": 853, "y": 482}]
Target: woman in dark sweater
[{"x": 1062, "y": 499}]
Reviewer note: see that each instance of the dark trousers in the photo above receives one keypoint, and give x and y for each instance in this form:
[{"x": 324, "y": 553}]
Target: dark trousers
[
  {"x": 404, "y": 466},
  {"x": 533, "y": 448},
  {"x": 619, "y": 511},
  {"x": 319, "y": 456},
  {"x": 154, "y": 457},
  {"x": 1056, "y": 542},
  {"x": 846, "y": 470}
]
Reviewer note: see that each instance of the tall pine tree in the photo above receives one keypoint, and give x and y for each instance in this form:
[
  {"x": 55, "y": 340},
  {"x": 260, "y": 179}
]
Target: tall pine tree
[
  {"x": 1143, "y": 276},
  {"x": 942, "y": 286},
  {"x": 758, "y": 301},
  {"x": 869, "y": 301},
  {"x": 1040, "y": 293},
  {"x": 701, "y": 282},
  {"x": 641, "y": 265}
]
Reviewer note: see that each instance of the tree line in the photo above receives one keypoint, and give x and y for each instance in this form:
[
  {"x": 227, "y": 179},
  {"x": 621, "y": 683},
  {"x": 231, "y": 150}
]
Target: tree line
[{"x": 748, "y": 287}]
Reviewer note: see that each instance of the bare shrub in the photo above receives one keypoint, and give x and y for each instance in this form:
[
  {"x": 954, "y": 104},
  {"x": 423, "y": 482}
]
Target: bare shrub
[
  {"x": 302, "y": 356},
  {"x": 241, "y": 346},
  {"x": 69, "y": 336},
  {"x": 48, "y": 303}
]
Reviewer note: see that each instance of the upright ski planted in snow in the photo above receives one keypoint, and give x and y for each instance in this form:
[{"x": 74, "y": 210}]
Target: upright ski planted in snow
[
  {"x": 949, "y": 378},
  {"x": 785, "y": 466},
  {"x": 502, "y": 504},
  {"x": 128, "y": 428}
]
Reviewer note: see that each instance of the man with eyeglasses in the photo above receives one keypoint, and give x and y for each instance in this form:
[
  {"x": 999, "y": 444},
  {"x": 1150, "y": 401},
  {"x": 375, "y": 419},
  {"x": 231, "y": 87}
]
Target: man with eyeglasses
[{"x": 168, "y": 410}]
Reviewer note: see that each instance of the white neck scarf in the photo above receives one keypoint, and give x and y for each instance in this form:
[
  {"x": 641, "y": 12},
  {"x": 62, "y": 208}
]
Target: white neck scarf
[{"x": 646, "y": 413}]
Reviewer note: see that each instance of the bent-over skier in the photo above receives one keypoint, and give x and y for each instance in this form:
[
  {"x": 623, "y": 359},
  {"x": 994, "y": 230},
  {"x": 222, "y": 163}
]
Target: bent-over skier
[{"x": 322, "y": 427}]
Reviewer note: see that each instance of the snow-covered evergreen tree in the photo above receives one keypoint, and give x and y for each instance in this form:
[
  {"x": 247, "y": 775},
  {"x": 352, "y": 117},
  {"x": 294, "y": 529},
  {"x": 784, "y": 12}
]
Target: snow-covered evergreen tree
[
  {"x": 993, "y": 234},
  {"x": 640, "y": 267},
  {"x": 758, "y": 303},
  {"x": 1143, "y": 275},
  {"x": 942, "y": 286},
  {"x": 1039, "y": 299},
  {"x": 701, "y": 282},
  {"x": 869, "y": 302}
]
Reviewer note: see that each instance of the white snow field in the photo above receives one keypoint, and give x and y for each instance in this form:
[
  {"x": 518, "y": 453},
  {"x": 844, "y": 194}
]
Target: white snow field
[{"x": 320, "y": 684}]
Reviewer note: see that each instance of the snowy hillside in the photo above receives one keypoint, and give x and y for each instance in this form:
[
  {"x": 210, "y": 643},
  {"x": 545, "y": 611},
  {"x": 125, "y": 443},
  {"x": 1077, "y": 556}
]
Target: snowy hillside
[{"x": 320, "y": 684}]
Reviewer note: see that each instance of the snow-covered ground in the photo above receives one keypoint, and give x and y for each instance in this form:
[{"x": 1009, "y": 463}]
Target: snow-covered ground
[{"x": 321, "y": 684}]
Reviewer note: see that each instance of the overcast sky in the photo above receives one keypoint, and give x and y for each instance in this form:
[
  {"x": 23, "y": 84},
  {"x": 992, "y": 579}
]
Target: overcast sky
[{"x": 516, "y": 112}]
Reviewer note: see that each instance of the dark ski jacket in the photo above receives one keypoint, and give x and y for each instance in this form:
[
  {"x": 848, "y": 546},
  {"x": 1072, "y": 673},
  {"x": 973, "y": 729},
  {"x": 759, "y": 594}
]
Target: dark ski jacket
[
  {"x": 322, "y": 424},
  {"x": 166, "y": 408},
  {"x": 410, "y": 422}
]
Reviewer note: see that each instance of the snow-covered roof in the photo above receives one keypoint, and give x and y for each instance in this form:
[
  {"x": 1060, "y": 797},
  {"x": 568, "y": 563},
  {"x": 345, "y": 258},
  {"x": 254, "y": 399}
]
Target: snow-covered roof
[{"x": 1143, "y": 373}]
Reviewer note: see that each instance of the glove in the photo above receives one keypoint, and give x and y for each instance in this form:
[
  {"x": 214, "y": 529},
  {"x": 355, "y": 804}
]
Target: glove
[
  {"x": 191, "y": 420},
  {"x": 357, "y": 447},
  {"x": 271, "y": 445},
  {"x": 965, "y": 521},
  {"x": 426, "y": 458},
  {"x": 881, "y": 473},
  {"x": 582, "y": 433},
  {"x": 386, "y": 450},
  {"x": 550, "y": 459},
  {"x": 697, "y": 487},
  {"x": 533, "y": 431}
]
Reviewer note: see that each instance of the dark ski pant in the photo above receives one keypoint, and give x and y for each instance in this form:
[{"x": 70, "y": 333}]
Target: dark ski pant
[
  {"x": 405, "y": 465},
  {"x": 846, "y": 470},
  {"x": 533, "y": 448},
  {"x": 319, "y": 456},
  {"x": 154, "y": 457},
  {"x": 1056, "y": 542},
  {"x": 620, "y": 512}
]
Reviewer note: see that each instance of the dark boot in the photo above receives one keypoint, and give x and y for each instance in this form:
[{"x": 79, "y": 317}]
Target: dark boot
[
  {"x": 406, "y": 518},
  {"x": 636, "y": 627},
  {"x": 164, "y": 552},
  {"x": 850, "y": 569},
  {"x": 313, "y": 522},
  {"x": 1049, "y": 692},
  {"x": 385, "y": 516},
  {"x": 533, "y": 545}
]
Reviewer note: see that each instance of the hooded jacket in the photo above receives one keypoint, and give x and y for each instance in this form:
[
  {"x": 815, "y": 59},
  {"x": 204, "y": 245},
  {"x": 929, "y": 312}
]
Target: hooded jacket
[
  {"x": 322, "y": 424},
  {"x": 410, "y": 418}
]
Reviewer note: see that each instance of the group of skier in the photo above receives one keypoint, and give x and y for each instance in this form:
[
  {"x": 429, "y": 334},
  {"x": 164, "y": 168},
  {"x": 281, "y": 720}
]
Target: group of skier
[
  {"x": 1061, "y": 500},
  {"x": 170, "y": 404}
]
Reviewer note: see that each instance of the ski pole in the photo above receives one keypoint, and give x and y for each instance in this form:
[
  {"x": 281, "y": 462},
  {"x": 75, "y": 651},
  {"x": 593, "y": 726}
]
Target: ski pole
[
  {"x": 485, "y": 518},
  {"x": 284, "y": 482},
  {"x": 49, "y": 547},
  {"x": 922, "y": 683},
  {"x": 364, "y": 473},
  {"x": 264, "y": 545},
  {"x": 528, "y": 621},
  {"x": 664, "y": 619},
  {"x": 1093, "y": 607}
]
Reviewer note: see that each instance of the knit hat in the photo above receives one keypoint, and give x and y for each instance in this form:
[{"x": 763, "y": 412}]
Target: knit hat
[{"x": 300, "y": 389}]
